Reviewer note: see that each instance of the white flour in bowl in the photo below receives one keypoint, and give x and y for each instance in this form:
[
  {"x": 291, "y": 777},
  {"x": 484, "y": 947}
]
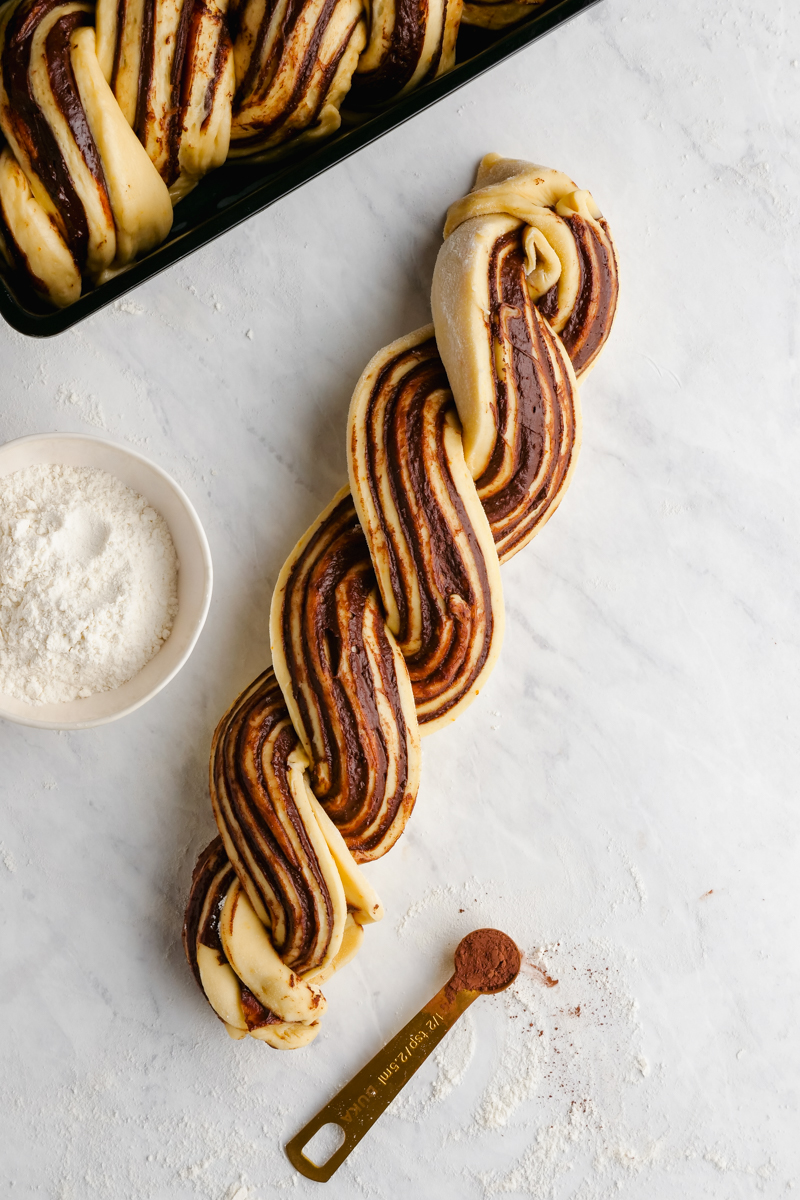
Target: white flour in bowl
[{"x": 88, "y": 583}]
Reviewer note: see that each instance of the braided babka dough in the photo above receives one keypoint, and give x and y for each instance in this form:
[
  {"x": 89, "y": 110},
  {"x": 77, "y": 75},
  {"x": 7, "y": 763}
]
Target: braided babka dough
[
  {"x": 279, "y": 865},
  {"x": 410, "y": 43},
  {"x": 78, "y": 195},
  {"x": 294, "y": 64},
  {"x": 387, "y": 617},
  {"x": 524, "y": 295},
  {"x": 170, "y": 66}
]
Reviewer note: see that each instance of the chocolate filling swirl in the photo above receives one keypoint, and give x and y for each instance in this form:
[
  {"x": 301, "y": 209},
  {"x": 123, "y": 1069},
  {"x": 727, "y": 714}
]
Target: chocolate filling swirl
[
  {"x": 171, "y": 68},
  {"x": 410, "y": 43},
  {"x": 345, "y": 681},
  {"x": 590, "y": 321},
  {"x": 536, "y": 407},
  {"x": 427, "y": 534},
  {"x": 294, "y": 63},
  {"x": 263, "y": 832},
  {"x": 211, "y": 880},
  {"x": 78, "y": 194}
]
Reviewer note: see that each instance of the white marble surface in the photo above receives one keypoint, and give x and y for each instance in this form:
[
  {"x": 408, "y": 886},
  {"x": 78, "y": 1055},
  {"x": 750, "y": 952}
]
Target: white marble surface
[{"x": 626, "y": 788}]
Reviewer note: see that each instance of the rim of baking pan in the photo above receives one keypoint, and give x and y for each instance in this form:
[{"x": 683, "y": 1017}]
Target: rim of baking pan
[{"x": 259, "y": 194}]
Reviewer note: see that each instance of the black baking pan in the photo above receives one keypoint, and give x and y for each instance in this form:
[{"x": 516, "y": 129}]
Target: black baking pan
[{"x": 237, "y": 190}]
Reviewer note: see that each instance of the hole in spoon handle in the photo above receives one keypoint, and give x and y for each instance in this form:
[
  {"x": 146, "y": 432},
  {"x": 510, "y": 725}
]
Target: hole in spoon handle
[{"x": 360, "y": 1102}]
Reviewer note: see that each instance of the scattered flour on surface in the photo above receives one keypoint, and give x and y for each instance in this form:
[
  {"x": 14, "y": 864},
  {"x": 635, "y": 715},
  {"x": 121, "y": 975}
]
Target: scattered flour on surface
[
  {"x": 238, "y": 1191},
  {"x": 88, "y": 583},
  {"x": 563, "y": 1078},
  {"x": 451, "y": 1061},
  {"x": 88, "y": 408}
]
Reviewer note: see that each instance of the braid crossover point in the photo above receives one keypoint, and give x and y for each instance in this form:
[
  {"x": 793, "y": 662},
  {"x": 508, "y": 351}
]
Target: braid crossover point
[{"x": 388, "y": 615}]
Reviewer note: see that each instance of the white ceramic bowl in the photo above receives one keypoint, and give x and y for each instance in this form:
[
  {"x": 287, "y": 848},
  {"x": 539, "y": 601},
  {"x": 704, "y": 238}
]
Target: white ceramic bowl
[{"x": 194, "y": 575}]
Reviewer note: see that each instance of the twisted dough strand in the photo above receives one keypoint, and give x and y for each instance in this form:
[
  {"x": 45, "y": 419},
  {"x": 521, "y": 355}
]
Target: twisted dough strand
[
  {"x": 428, "y": 535},
  {"x": 170, "y": 66},
  {"x": 260, "y": 802},
  {"x": 410, "y": 42},
  {"x": 294, "y": 65},
  {"x": 511, "y": 375},
  {"x": 346, "y": 683},
  {"x": 388, "y": 615},
  {"x": 78, "y": 195}
]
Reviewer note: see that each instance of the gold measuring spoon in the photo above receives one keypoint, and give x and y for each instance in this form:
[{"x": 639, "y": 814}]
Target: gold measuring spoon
[{"x": 486, "y": 962}]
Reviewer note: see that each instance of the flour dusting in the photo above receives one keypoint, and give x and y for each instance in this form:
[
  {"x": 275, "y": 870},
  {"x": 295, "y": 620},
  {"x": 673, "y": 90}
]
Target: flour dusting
[
  {"x": 556, "y": 1070},
  {"x": 87, "y": 407},
  {"x": 451, "y": 1061}
]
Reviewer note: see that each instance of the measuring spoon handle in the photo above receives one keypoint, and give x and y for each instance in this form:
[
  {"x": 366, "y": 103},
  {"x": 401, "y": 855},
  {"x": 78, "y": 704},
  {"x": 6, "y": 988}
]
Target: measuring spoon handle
[{"x": 360, "y": 1102}]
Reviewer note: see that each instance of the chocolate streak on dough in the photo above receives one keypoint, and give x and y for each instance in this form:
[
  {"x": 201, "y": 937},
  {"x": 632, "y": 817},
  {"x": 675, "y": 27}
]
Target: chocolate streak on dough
[
  {"x": 403, "y": 439},
  {"x": 65, "y": 90},
  {"x": 147, "y": 66},
  {"x": 345, "y": 560},
  {"x": 246, "y": 88},
  {"x": 182, "y": 73},
  {"x": 255, "y": 828},
  {"x": 122, "y": 8},
  {"x": 32, "y": 129},
  {"x": 402, "y": 57},
  {"x": 514, "y": 320},
  {"x": 591, "y": 318},
  {"x": 209, "y": 872},
  {"x": 19, "y": 260},
  {"x": 180, "y": 81},
  {"x": 548, "y": 303},
  {"x": 310, "y": 59},
  {"x": 147, "y": 60},
  {"x": 329, "y": 73},
  {"x": 211, "y": 862},
  {"x": 223, "y": 53}
]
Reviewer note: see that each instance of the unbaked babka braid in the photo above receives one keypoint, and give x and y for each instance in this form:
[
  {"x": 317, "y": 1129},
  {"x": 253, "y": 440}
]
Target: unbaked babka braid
[
  {"x": 294, "y": 65},
  {"x": 170, "y": 65},
  {"x": 410, "y": 42},
  {"x": 79, "y": 196},
  {"x": 388, "y": 615}
]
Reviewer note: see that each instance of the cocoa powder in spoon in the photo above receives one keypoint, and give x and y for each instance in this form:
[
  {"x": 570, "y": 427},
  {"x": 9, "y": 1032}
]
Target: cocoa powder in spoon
[{"x": 486, "y": 961}]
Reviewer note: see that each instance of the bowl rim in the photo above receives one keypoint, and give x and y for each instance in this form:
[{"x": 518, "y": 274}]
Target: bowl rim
[{"x": 208, "y": 582}]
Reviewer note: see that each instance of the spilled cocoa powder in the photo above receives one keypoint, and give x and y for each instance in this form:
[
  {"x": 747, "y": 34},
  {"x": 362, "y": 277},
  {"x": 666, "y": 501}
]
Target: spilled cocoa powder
[
  {"x": 486, "y": 961},
  {"x": 537, "y": 972}
]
